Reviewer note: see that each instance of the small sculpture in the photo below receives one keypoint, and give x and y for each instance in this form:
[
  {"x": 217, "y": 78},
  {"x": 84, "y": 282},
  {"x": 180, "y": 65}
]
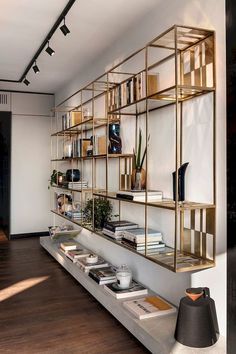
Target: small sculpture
[{"x": 181, "y": 182}]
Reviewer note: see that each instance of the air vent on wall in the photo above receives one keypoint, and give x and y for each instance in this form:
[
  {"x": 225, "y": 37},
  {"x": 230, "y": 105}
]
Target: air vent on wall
[{"x": 4, "y": 101}]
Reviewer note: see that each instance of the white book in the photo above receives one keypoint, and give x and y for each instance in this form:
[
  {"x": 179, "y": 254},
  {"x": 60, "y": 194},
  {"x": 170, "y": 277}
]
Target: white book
[
  {"x": 68, "y": 246},
  {"x": 138, "y": 235},
  {"x": 139, "y": 193},
  {"x": 148, "y": 307},
  {"x": 117, "y": 235}
]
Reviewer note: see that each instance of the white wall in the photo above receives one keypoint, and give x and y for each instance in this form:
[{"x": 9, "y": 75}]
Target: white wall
[
  {"x": 199, "y": 13},
  {"x": 30, "y": 162}
]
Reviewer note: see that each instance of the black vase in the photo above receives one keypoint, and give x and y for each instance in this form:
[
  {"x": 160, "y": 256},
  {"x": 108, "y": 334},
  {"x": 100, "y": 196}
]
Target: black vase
[
  {"x": 115, "y": 144},
  {"x": 73, "y": 175},
  {"x": 181, "y": 182}
]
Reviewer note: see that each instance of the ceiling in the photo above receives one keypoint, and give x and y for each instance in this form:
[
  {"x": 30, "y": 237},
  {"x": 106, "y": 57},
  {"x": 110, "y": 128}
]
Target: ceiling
[{"x": 94, "y": 25}]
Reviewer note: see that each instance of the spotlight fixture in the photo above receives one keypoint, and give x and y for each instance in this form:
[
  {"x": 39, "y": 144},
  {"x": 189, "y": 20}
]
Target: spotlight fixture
[
  {"x": 36, "y": 68},
  {"x": 49, "y": 50},
  {"x": 65, "y": 30},
  {"x": 26, "y": 82}
]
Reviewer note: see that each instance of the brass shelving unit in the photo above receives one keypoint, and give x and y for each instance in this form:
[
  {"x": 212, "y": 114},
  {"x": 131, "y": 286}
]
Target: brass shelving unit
[{"x": 183, "y": 58}]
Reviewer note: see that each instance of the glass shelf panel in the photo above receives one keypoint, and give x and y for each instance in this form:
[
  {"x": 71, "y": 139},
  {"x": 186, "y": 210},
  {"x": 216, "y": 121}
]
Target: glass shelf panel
[
  {"x": 186, "y": 37},
  {"x": 161, "y": 99},
  {"x": 164, "y": 204}
]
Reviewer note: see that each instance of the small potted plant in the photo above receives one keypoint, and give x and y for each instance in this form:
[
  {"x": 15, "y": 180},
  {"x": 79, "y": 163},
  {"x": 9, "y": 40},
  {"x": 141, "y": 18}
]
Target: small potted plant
[
  {"x": 56, "y": 178},
  {"x": 102, "y": 211}
]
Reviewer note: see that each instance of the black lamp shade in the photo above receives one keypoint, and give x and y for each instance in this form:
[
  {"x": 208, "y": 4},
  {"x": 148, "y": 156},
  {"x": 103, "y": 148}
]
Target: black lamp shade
[
  {"x": 65, "y": 30},
  {"x": 50, "y": 51},
  {"x": 26, "y": 82},
  {"x": 197, "y": 324},
  {"x": 36, "y": 69}
]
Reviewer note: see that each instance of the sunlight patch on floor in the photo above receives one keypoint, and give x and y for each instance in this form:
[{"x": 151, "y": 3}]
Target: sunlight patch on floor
[{"x": 20, "y": 286}]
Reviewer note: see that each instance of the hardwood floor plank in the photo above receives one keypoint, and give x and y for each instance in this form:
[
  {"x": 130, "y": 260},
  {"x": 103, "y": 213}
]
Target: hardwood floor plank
[{"x": 45, "y": 310}]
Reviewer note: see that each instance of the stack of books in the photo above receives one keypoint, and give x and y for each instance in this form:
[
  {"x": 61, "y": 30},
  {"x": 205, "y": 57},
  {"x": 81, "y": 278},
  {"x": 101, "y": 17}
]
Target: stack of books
[
  {"x": 85, "y": 266},
  {"x": 68, "y": 246},
  {"x": 74, "y": 214},
  {"x": 74, "y": 255},
  {"x": 147, "y": 307},
  {"x": 115, "y": 229},
  {"x": 135, "y": 239},
  {"x": 103, "y": 275},
  {"x": 78, "y": 185},
  {"x": 135, "y": 289},
  {"x": 140, "y": 195}
]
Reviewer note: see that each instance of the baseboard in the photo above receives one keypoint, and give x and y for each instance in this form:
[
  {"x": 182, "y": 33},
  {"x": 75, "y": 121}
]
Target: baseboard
[{"x": 31, "y": 234}]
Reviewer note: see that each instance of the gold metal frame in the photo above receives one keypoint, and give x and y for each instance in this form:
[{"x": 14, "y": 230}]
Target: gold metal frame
[{"x": 189, "y": 250}]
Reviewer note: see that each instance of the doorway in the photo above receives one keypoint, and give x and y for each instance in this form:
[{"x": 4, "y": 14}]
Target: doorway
[{"x": 5, "y": 171}]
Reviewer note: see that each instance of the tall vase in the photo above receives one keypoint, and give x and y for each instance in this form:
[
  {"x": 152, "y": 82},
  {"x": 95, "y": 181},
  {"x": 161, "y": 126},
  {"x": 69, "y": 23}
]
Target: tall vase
[
  {"x": 181, "y": 182},
  {"x": 115, "y": 144},
  {"x": 138, "y": 179}
]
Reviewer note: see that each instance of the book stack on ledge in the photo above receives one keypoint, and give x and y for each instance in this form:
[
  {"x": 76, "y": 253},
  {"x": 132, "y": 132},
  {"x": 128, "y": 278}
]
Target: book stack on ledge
[
  {"x": 140, "y": 195},
  {"x": 137, "y": 240},
  {"x": 73, "y": 250},
  {"x": 147, "y": 307},
  {"x": 85, "y": 263},
  {"x": 103, "y": 275},
  {"x": 78, "y": 185},
  {"x": 135, "y": 289},
  {"x": 115, "y": 229}
]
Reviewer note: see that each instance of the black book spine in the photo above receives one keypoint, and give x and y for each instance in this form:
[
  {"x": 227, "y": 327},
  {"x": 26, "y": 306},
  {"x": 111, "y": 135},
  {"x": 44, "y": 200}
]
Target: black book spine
[{"x": 124, "y": 196}]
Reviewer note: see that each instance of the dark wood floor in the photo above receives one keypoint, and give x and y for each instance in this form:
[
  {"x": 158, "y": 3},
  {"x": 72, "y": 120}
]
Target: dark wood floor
[{"x": 44, "y": 310}]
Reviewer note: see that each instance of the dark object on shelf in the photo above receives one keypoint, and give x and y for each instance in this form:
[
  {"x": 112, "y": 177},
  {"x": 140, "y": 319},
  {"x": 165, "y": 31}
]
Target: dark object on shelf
[
  {"x": 124, "y": 196},
  {"x": 115, "y": 144},
  {"x": 100, "y": 209},
  {"x": 73, "y": 175},
  {"x": 197, "y": 324},
  {"x": 181, "y": 182}
]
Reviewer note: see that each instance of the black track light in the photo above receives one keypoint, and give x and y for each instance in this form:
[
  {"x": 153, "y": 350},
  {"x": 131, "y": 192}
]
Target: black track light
[
  {"x": 26, "y": 82},
  {"x": 36, "y": 68},
  {"x": 49, "y": 50},
  {"x": 65, "y": 30}
]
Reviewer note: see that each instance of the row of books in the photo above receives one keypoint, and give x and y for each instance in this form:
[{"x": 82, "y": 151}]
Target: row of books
[
  {"x": 70, "y": 119},
  {"x": 133, "y": 236},
  {"x": 132, "y": 90},
  {"x": 143, "y": 305}
]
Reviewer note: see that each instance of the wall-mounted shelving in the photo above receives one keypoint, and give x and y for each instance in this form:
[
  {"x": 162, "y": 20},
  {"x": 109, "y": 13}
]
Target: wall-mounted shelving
[{"x": 167, "y": 90}]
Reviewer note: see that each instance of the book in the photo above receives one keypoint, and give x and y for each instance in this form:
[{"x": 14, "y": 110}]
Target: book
[
  {"x": 78, "y": 253},
  {"x": 103, "y": 275},
  {"x": 135, "y": 289},
  {"x": 138, "y": 235},
  {"x": 120, "y": 225},
  {"x": 117, "y": 235},
  {"x": 142, "y": 247},
  {"x": 68, "y": 246},
  {"x": 83, "y": 265},
  {"x": 148, "y": 307},
  {"x": 140, "y": 196}
]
